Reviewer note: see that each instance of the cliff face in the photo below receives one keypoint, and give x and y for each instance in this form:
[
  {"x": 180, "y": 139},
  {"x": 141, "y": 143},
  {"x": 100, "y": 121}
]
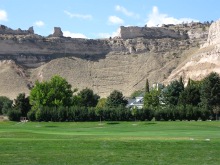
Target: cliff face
[
  {"x": 151, "y": 33},
  {"x": 204, "y": 61},
  {"x": 121, "y": 63}
]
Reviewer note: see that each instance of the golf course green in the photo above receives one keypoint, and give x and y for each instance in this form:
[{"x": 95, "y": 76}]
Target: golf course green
[{"x": 116, "y": 143}]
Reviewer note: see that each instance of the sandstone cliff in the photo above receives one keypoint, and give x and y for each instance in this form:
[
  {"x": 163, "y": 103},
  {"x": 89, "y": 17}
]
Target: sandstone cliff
[
  {"x": 204, "y": 61},
  {"x": 121, "y": 63}
]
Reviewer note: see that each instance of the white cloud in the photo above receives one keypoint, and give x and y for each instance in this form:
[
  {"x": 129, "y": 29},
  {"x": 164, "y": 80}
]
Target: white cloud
[
  {"x": 107, "y": 35},
  {"x": 115, "y": 20},
  {"x": 104, "y": 35},
  {"x": 39, "y": 23},
  {"x": 73, "y": 35},
  {"x": 80, "y": 16},
  {"x": 3, "y": 15},
  {"x": 126, "y": 12},
  {"x": 155, "y": 18}
]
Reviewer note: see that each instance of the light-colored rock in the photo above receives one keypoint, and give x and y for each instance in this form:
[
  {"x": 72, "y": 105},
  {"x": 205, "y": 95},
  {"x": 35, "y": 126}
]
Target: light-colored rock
[
  {"x": 214, "y": 33},
  {"x": 102, "y": 65},
  {"x": 203, "y": 61}
]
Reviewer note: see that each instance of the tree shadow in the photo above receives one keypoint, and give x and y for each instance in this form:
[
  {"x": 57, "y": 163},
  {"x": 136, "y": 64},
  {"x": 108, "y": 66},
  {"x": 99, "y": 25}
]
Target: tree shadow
[
  {"x": 149, "y": 123},
  {"x": 113, "y": 123}
]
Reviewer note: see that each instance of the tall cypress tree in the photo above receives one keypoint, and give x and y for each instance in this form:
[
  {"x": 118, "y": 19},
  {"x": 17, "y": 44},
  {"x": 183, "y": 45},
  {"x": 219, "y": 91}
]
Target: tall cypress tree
[
  {"x": 189, "y": 82},
  {"x": 181, "y": 82},
  {"x": 147, "y": 89}
]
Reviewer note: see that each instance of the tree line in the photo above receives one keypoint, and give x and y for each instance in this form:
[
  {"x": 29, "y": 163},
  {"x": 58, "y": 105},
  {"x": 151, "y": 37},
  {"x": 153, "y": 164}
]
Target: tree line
[
  {"x": 198, "y": 100},
  {"x": 55, "y": 100}
]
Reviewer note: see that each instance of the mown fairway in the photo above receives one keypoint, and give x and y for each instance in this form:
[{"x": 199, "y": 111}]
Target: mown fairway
[{"x": 110, "y": 143}]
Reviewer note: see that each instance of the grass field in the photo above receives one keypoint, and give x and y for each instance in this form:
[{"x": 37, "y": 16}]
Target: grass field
[{"x": 116, "y": 143}]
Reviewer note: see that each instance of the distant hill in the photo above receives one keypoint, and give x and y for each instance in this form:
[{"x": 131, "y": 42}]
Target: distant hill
[{"x": 122, "y": 63}]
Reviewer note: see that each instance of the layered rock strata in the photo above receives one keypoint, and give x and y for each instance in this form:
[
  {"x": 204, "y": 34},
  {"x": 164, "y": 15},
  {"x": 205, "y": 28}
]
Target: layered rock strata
[
  {"x": 102, "y": 65},
  {"x": 204, "y": 61}
]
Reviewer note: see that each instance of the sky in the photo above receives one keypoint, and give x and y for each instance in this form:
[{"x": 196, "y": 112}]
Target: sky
[{"x": 102, "y": 18}]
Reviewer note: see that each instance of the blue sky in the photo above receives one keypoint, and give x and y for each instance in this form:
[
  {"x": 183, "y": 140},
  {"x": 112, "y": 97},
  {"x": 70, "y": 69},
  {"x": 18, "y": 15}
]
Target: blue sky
[{"x": 102, "y": 18}]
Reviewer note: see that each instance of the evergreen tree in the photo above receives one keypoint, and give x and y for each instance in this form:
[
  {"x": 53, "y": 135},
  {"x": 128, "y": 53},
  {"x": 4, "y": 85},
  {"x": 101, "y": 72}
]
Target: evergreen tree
[
  {"x": 147, "y": 88},
  {"x": 210, "y": 92},
  {"x": 116, "y": 99},
  {"x": 172, "y": 92},
  {"x": 5, "y": 105},
  {"x": 190, "y": 95},
  {"x": 21, "y": 103},
  {"x": 189, "y": 82},
  {"x": 181, "y": 83},
  {"x": 88, "y": 98}
]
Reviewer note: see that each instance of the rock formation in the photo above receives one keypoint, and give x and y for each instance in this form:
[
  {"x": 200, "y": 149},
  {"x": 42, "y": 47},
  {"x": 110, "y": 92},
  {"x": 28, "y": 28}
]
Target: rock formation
[
  {"x": 57, "y": 32},
  {"x": 6, "y": 30},
  {"x": 203, "y": 61},
  {"x": 214, "y": 34},
  {"x": 150, "y": 33},
  {"x": 103, "y": 65}
]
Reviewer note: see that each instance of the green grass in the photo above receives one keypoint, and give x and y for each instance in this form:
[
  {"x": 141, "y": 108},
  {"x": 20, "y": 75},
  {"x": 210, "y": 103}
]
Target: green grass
[{"x": 116, "y": 143}]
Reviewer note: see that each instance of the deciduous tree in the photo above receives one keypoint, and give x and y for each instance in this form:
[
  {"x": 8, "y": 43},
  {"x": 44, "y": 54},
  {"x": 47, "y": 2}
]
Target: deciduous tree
[
  {"x": 151, "y": 99},
  {"x": 56, "y": 92}
]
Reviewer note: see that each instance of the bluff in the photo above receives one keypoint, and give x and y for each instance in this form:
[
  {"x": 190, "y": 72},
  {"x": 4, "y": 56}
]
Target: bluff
[
  {"x": 151, "y": 33},
  {"x": 203, "y": 61},
  {"x": 122, "y": 63}
]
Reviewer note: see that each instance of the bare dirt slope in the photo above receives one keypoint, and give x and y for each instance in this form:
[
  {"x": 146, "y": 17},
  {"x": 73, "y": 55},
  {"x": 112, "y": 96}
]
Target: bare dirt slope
[
  {"x": 12, "y": 80},
  {"x": 126, "y": 73},
  {"x": 102, "y": 65}
]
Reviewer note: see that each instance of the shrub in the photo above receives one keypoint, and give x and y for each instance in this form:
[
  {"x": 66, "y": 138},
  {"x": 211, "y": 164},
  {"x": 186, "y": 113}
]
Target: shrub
[
  {"x": 157, "y": 115},
  {"x": 5, "y": 105},
  {"x": 31, "y": 115},
  {"x": 180, "y": 112},
  {"x": 145, "y": 114},
  {"x": 38, "y": 115},
  {"x": 204, "y": 114},
  {"x": 14, "y": 115}
]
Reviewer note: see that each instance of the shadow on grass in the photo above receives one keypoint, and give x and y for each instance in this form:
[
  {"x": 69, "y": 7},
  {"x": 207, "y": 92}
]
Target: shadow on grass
[
  {"x": 149, "y": 123},
  {"x": 113, "y": 123}
]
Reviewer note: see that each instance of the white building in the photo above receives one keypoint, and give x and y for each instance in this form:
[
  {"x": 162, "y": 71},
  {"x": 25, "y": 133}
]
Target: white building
[{"x": 137, "y": 102}]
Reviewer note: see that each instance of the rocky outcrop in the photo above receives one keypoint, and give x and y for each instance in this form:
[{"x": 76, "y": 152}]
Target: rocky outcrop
[
  {"x": 150, "y": 33},
  {"x": 102, "y": 65},
  {"x": 203, "y": 61},
  {"x": 57, "y": 32},
  {"x": 214, "y": 34},
  {"x": 31, "y": 30},
  {"x": 6, "y": 30}
]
